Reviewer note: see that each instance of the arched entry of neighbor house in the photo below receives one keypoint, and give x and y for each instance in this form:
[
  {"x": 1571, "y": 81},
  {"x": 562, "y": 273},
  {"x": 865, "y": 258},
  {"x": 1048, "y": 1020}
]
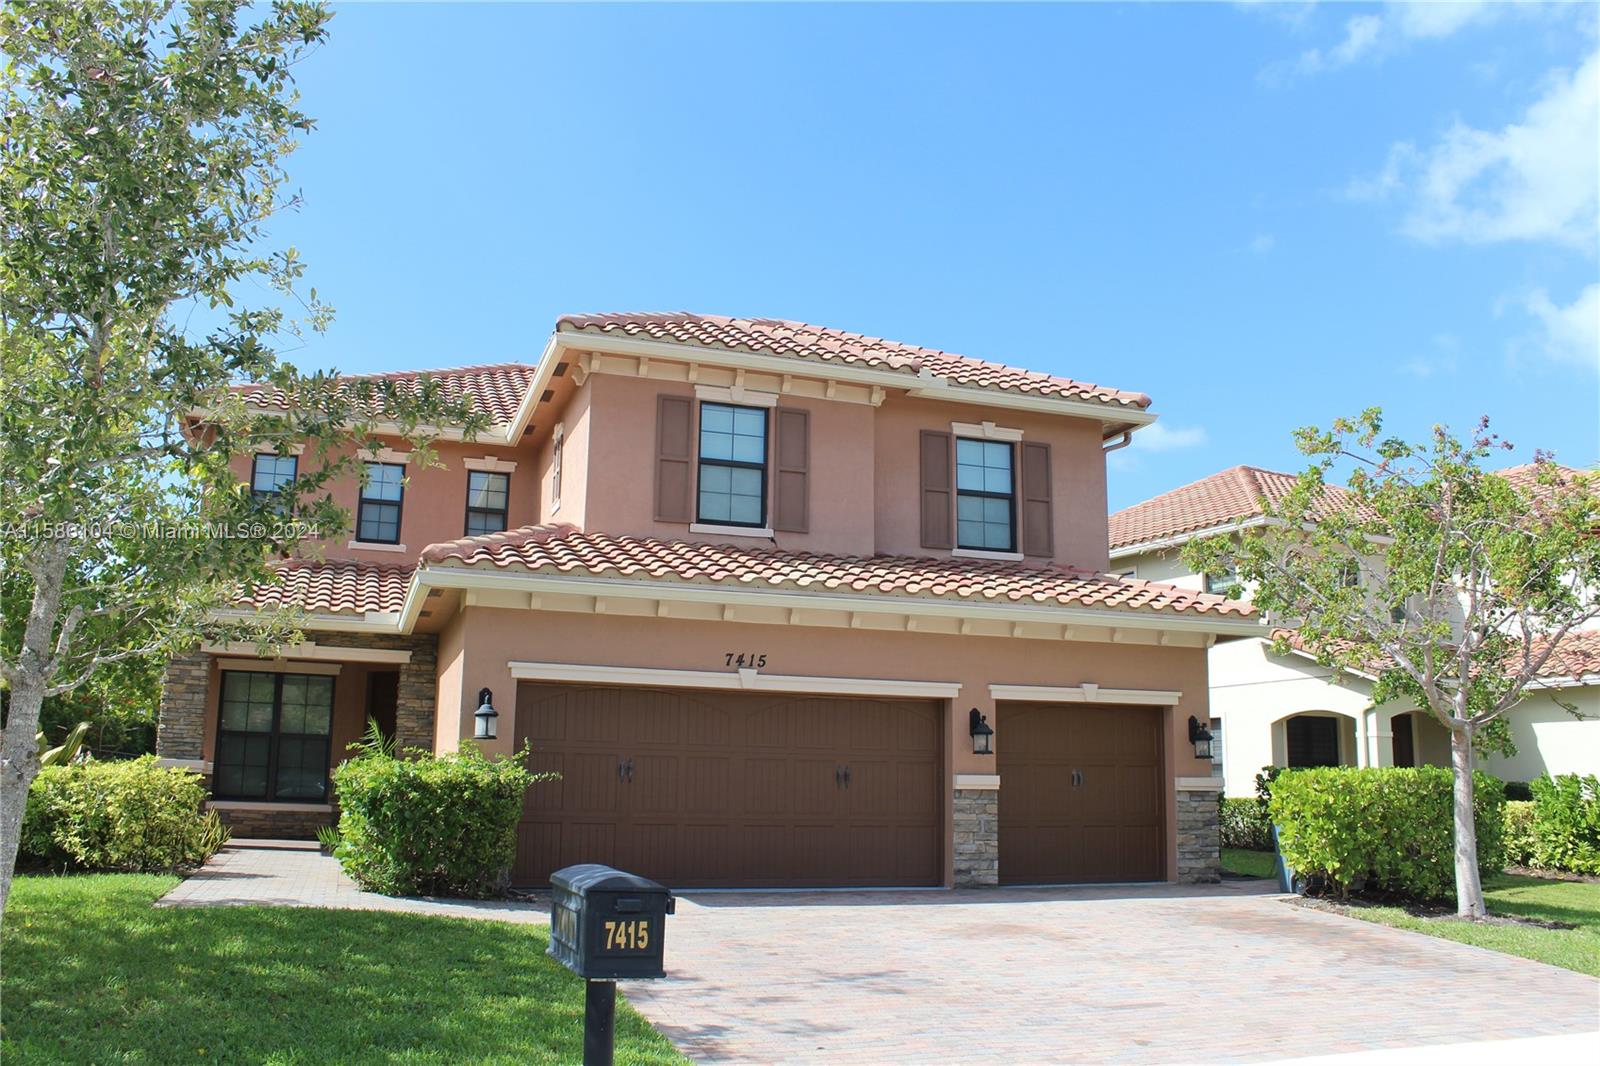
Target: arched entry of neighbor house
[
  {"x": 1419, "y": 740},
  {"x": 1314, "y": 738}
]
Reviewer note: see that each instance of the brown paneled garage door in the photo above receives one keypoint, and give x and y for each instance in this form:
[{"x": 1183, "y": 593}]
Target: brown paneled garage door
[
  {"x": 737, "y": 789},
  {"x": 1080, "y": 793}
]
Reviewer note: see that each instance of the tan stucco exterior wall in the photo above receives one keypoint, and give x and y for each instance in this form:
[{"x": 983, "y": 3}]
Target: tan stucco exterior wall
[{"x": 490, "y": 638}]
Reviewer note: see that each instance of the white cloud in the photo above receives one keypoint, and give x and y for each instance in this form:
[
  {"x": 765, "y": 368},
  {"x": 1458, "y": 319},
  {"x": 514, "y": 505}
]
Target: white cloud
[
  {"x": 1160, "y": 438},
  {"x": 1569, "y": 334},
  {"x": 1263, "y": 243},
  {"x": 1373, "y": 36},
  {"x": 1534, "y": 179}
]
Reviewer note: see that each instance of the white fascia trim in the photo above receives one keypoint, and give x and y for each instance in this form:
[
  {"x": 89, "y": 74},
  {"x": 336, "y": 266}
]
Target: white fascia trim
[
  {"x": 310, "y": 650},
  {"x": 1104, "y": 413},
  {"x": 1085, "y": 693},
  {"x": 490, "y": 464},
  {"x": 279, "y": 666},
  {"x": 371, "y": 622},
  {"x": 736, "y": 394},
  {"x": 978, "y": 553},
  {"x": 985, "y": 431},
  {"x": 543, "y": 371},
  {"x": 735, "y": 680},
  {"x": 730, "y": 531},
  {"x": 1352, "y": 671},
  {"x": 1545, "y": 683},
  {"x": 462, "y": 577},
  {"x": 987, "y": 782}
]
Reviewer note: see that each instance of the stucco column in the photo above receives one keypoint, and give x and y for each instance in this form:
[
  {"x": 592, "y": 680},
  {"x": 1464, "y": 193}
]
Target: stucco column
[{"x": 1363, "y": 755}]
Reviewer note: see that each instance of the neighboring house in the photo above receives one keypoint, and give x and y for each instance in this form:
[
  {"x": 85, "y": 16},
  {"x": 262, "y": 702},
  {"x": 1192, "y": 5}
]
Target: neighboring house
[
  {"x": 758, "y": 590},
  {"x": 1287, "y": 710}
]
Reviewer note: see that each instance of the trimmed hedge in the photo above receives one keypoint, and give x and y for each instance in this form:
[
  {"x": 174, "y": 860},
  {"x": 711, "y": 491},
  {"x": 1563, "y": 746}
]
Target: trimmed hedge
[
  {"x": 1244, "y": 824},
  {"x": 431, "y": 825},
  {"x": 132, "y": 816},
  {"x": 1521, "y": 841},
  {"x": 1383, "y": 830},
  {"x": 1566, "y": 823}
]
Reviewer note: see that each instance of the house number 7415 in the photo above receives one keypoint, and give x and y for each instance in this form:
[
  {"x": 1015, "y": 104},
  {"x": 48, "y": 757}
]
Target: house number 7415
[{"x": 744, "y": 659}]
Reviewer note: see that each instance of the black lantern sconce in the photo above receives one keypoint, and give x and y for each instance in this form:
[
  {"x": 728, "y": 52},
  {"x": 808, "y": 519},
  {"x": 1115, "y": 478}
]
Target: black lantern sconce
[
  {"x": 982, "y": 734},
  {"x": 485, "y": 716},
  {"x": 1200, "y": 737}
]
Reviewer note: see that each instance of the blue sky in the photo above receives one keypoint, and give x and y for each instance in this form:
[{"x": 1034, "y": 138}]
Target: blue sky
[{"x": 1262, "y": 215}]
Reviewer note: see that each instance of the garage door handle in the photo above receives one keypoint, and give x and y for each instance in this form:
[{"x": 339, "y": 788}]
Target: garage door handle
[
  {"x": 630, "y": 771},
  {"x": 838, "y": 777},
  {"x": 847, "y": 777}
]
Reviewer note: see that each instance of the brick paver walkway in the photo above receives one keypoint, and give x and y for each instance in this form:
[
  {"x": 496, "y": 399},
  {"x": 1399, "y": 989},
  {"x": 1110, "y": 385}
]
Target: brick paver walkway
[
  {"x": 1158, "y": 974},
  {"x": 293, "y": 873}
]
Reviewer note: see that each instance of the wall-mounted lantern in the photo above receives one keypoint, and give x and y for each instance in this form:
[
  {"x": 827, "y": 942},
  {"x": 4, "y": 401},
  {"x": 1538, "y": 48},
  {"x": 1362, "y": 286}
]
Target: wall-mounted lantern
[
  {"x": 982, "y": 734},
  {"x": 485, "y": 716},
  {"x": 1200, "y": 737}
]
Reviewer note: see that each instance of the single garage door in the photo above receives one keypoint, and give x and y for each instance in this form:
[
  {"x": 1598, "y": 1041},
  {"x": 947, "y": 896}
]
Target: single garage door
[
  {"x": 1080, "y": 793},
  {"x": 731, "y": 789}
]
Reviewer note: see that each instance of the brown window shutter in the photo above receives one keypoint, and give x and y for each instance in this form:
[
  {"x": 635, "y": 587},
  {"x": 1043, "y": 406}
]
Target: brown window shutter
[
  {"x": 791, "y": 503},
  {"x": 1038, "y": 536},
  {"x": 936, "y": 482},
  {"x": 674, "y": 456}
]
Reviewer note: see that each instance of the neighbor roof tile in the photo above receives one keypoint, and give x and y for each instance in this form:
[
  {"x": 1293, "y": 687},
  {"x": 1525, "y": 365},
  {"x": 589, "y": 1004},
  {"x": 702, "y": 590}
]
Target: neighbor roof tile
[
  {"x": 1233, "y": 495},
  {"x": 497, "y": 389}
]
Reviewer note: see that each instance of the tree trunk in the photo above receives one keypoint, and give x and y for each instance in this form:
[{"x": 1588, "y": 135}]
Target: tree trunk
[
  {"x": 1469, "y": 887},
  {"x": 35, "y": 667}
]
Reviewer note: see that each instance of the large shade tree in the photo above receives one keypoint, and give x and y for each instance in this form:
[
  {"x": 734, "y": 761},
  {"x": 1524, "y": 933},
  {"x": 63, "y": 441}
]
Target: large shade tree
[
  {"x": 143, "y": 157},
  {"x": 1449, "y": 584}
]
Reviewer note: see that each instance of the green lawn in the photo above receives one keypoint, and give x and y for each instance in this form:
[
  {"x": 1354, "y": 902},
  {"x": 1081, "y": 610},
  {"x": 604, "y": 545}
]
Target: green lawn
[
  {"x": 1249, "y": 863},
  {"x": 93, "y": 973},
  {"x": 1576, "y": 903}
]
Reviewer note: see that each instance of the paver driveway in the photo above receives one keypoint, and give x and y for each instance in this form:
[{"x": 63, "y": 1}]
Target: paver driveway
[{"x": 1156, "y": 974}]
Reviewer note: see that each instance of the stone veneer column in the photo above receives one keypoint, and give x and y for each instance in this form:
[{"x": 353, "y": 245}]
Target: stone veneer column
[
  {"x": 1199, "y": 830},
  {"x": 181, "y": 722},
  {"x": 977, "y": 836},
  {"x": 418, "y": 690}
]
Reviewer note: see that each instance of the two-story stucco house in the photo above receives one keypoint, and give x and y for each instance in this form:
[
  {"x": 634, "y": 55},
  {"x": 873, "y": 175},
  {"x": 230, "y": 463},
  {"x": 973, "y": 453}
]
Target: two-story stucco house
[
  {"x": 760, "y": 591},
  {"x": 1287, "y": 710}
]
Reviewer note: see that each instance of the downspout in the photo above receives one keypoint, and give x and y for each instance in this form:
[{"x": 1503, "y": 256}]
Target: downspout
[{"x": 1122, "y": 442}]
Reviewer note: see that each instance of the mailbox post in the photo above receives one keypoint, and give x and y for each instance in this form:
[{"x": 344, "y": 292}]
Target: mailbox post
[{"x": 606, "y": 925}]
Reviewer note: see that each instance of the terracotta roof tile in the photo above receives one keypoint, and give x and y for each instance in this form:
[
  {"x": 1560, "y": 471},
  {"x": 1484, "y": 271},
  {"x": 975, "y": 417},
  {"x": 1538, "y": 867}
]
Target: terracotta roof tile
[
  {"x": 1230, "y": 496},
  {"x": 1539, "y": 478},
  {"x": 497, "y": 389},
  {"x": 333, "y": 587},
  {"x": 798, "y": 340},
  {"x": 563, "y": 549}
]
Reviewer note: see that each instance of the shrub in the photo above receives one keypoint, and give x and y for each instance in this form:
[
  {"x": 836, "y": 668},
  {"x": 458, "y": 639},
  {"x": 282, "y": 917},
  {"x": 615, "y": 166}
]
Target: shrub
[
  {"x": 1382, "y": 830},
  {"x": 1244, "y": 824},
  {"x": 131, "y": 816},
  {"x": 1521, "y": 839},
  {"x": 431, "y": 825},
  {"x": 1566, "y": 823}
]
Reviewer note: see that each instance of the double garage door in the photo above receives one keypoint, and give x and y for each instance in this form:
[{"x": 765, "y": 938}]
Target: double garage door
[
  {"x": 721, "y": 789},
  {"x": 695, "y": 788}
]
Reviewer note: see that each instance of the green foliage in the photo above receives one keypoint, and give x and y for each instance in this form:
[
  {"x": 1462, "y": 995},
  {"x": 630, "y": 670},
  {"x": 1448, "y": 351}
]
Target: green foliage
[
  {"x": 1566, "y": 823},
  {"x": 1244, "y": 824},
  {"x": 119, "y": 702},
  {"x": 1384, "y": 830},
  {"x": 66, "y": 751},
  {"x": 328, "y": 837},
  {"x": 1521, "y": 841},
  {"x": 1264, "y": 781},
  {"x": 431, "y": 825},
  {"x": 133, "y": 816}
]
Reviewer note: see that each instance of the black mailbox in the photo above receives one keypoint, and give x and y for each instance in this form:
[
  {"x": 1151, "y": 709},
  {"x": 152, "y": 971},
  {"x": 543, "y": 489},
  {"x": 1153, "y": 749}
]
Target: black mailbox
[{"x": 607, "y": 925}]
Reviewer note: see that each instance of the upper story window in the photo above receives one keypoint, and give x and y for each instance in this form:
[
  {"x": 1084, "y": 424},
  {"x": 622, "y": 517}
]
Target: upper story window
[
  {"x": 378, "y": 518},
  {"x": 487, "y": 494},
  {"x": 269, "y": 473},
  {"x": 1225, "y": 585},
  {"x": 985, "y": 495},
  {"x": 733, "y": 465}
]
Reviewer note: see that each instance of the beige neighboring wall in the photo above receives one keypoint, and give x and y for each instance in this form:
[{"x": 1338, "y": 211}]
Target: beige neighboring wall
[{"x": 490, "y": 638}]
